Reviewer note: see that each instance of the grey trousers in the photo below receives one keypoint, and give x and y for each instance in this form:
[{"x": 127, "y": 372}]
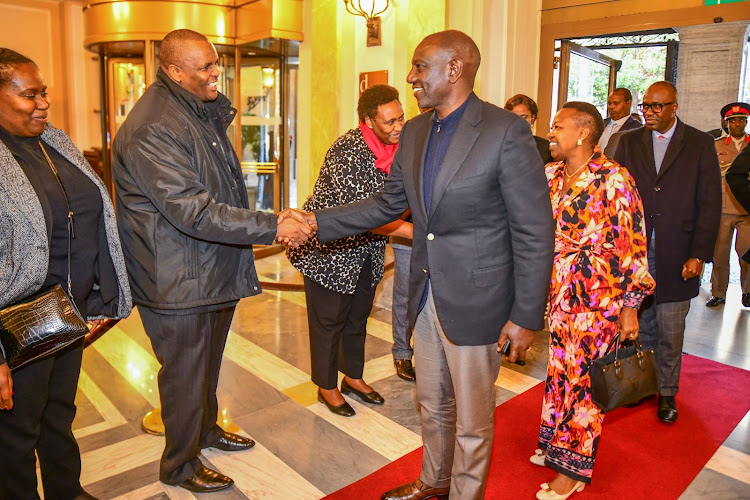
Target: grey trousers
[
  {"x": 662, "y": 327},
  {"x": 456, "y": 392},
  {"x": 401, "y": 332}
]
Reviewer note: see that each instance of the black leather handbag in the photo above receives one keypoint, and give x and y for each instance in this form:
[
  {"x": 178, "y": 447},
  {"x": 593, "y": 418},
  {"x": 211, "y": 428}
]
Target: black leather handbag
[
  {"x": 623, "y": 377},
  {"x": 39, "y": 326},
  {"x": 45, "y": 322}
]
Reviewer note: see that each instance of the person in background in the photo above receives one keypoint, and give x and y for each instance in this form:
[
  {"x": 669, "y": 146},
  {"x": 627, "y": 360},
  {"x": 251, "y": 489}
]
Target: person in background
[
  {"x": 44, "y": 179},
  {"x": 738, "y": 179},
  {"x": 734, "y": 219},
  {"x": 525, "y": 107},
  {"x": 187, "y": 233},
  {"x": 402, "y": 333},
  {"x": 619, "y": 103},
  {"x": 341, "y": 276},
  {"x": 599, "y": 279},
  {"x": 677, "y": 175}
]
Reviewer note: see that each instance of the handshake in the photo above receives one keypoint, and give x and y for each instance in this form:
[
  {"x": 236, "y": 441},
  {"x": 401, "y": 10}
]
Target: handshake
[{"x": 295, "y": 227}]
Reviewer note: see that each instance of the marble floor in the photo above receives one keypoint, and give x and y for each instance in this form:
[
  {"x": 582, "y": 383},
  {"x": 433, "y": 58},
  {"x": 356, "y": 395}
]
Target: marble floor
[{"x": 303, "y": 451}]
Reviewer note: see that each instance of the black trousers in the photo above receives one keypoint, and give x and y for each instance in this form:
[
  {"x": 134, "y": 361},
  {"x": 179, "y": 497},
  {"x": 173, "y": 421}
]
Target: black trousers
[
  {"x": 44, "y": 395},
  {"x": 338, "y": 328},
  {"x": 189, "y": 348}
]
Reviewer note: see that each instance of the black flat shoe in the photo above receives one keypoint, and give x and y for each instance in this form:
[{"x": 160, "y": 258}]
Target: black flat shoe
[
  {"x": 345, "y": 410},
  {"x": 372, "y": 398},
  {"x": 715, "y": 301},
  {"x": 206, "y": 481},
  {"x": 746, "y": 299},
  {"x": 405, "y": 370},
  {"x": 667, "y": 411},
  {"x": 233, "y": 442}
]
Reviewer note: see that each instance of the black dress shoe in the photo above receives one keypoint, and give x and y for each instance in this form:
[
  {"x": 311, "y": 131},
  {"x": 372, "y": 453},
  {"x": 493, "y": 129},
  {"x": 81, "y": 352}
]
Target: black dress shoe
[
  {"x": 233, "y": 442},
  {"x": 206, "y": 481},
  {"x": 405, "y": 370},
  {"x": 715, "y": 301},
  {"x": 372, "y": 398},
  {"x": 415, "y": 491},
  {"x": 345, "y": 410},
  {"x": 667, "y": 411},
  {"x": 746, "y": 299}
]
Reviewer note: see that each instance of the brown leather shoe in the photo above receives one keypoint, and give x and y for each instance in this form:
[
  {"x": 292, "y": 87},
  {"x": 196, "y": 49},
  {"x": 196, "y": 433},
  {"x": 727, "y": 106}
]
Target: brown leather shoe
[
  {"x": 206, "y": 480},
  {"x": 415, "y": 491}
]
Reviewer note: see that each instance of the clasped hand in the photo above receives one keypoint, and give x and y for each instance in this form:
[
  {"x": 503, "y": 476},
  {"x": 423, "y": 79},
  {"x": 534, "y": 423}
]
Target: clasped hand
[{"x": 295, "y": 227}]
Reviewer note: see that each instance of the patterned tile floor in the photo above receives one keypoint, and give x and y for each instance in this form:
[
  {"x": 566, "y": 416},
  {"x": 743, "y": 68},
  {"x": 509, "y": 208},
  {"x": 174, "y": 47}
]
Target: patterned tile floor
[{"x": 303, "y": 451}]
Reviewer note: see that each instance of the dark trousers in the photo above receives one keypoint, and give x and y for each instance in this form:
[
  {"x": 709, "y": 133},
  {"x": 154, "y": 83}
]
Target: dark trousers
[
  {"x": 189, "y": 348},
  {"x": 338, "y": 328},
  {"x": 43, "y": 410}
]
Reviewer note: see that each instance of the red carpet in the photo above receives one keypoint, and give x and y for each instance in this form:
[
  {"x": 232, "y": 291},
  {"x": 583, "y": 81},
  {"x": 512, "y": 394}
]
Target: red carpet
[{"x": 639, "y": 457}]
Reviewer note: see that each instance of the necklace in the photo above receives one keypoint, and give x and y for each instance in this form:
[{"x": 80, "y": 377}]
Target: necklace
[{"x": 578, "y": 170}]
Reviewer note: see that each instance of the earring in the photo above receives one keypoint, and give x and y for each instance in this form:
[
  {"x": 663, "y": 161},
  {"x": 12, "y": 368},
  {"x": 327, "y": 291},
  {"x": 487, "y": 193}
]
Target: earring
[{"x": 580, "y": 142}]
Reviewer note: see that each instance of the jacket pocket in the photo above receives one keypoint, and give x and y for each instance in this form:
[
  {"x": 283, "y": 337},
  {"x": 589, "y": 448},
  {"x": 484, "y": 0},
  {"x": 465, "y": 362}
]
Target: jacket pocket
[
  {"x": 192, "y": 267},
  {"x": 489, "y": 275}
]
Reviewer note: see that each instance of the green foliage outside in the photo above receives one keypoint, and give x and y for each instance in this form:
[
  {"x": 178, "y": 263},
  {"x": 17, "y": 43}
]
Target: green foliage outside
[{"x": 641, "y": 66}]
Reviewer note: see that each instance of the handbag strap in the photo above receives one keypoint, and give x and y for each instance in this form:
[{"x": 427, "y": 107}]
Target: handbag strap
[
  {"x": 71, "y": 228},
  {"x": 616, "y": 342}
]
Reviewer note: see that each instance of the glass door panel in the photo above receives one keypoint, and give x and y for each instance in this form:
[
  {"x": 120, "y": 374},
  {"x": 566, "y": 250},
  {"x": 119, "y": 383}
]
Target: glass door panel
[
  {"x": 262, "y": 130},
  {"x": 586, "y": 75}
]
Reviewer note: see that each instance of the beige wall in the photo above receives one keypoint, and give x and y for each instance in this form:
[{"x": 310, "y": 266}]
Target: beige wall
[{"x": 51, "y": 33}]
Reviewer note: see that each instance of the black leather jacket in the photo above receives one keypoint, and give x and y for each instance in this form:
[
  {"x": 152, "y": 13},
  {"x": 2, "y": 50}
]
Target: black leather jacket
[{"x": 182, "y": 206}]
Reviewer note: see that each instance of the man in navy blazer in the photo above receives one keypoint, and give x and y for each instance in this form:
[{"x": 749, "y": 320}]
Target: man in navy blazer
[
  {"x": 619, "y": 121},
  {"x": 677, "y": 173},
  {"x": 481, "y": 256}
]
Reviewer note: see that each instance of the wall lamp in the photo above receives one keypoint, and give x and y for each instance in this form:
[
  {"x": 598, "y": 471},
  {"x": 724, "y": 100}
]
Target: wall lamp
[{"x": 370, "y": 11}]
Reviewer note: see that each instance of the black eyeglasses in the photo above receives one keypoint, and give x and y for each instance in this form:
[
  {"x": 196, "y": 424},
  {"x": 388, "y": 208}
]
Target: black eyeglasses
[{"x": 656, "y": 106}]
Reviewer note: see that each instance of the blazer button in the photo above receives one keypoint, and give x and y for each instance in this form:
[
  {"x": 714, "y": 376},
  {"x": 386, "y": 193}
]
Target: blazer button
[
  {"x": 424, "y": 271},
  {"x": 430, "y": 236},
  {"x": 657, "y": 188},
  {"x": 651, "y": 215},
  {"x": 213, "y": 144}
]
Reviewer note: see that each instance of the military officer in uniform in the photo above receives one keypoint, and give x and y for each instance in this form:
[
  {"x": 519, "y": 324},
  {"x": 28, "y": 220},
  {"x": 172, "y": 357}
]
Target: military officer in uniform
[{"x": 733, "y": 216}]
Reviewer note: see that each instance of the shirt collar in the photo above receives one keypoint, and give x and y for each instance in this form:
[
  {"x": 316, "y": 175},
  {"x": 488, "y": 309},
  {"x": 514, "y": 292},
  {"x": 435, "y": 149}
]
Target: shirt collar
[
  {"x": 622, "y": 120},
  {"x": 668, "y": 134},
  {"x": 450, "y": 122}
]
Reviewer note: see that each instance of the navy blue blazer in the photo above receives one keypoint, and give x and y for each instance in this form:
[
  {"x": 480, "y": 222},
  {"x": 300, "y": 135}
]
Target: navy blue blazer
[{"x": 488, "y": 240}]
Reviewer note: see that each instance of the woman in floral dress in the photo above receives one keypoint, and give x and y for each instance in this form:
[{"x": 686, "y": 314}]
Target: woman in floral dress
[{"x": 599, "y": 278}]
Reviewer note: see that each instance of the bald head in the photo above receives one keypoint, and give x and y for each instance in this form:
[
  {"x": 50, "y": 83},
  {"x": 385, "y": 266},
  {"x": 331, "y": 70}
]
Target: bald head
[
  {"x": 177, "y": 46},
  {"x": 665, "y": 87},
  {"x": 456, "y": 44}
]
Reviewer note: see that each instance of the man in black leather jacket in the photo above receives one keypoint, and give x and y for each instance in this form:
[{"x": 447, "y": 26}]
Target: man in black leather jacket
[{"x": 187, "y": 234}]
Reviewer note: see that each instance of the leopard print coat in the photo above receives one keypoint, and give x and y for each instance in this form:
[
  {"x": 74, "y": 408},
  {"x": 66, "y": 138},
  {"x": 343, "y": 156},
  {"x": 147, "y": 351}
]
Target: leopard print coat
[{"x": 348, "y": 175}]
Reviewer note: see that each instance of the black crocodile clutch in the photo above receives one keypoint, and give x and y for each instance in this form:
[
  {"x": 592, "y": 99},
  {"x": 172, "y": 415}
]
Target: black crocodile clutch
[{"x": 38, "y": 326}]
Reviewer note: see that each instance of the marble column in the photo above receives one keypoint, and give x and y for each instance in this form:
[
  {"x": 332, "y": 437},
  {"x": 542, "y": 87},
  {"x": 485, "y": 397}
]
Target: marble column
[{"x": 709, "y": 70}]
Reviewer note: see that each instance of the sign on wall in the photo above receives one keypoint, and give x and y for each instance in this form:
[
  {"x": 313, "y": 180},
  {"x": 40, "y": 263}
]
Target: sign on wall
[{"x": 371, "y": 78}]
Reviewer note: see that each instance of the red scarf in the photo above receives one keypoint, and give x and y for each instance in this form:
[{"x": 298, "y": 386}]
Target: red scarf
[{"x": 384, "y": 153}]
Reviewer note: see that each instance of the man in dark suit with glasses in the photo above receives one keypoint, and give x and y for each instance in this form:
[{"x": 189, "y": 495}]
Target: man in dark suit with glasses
[{"x": 676, "y": 170}]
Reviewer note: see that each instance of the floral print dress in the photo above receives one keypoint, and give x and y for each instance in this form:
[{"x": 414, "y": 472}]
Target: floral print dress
[{"x": 600, "y": 266}]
